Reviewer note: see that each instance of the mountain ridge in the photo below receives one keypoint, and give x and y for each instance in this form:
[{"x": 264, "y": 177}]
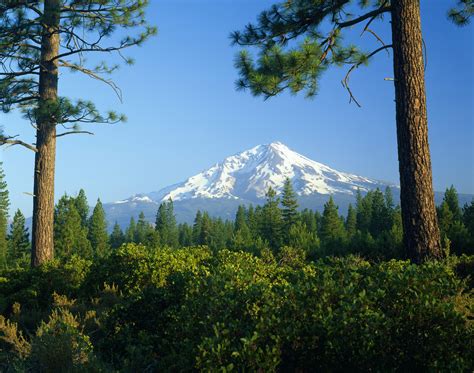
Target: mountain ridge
[{"x": 244, "y": 178}]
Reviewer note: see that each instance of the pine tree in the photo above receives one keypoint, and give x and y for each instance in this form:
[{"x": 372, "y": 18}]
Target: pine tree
[
  {"x": 38, "y": 40},
  {"x": 468, "y": 217},
  {"x": 117, "y": 238},
  {"x": 308, "y": 218},
  {"x": 70, "y": 237},
  {"x": 300, "y": 237},
  {"x": 450, "y": 217},
  {"x": 468, "y": 220},
  {"x": 299, "y": 40},
  {"x": 82, "y": 207},
  {"x": 351, "y": 222},
  {"x": 445, "y": 218},
  {"x": 143, "y": 229},
  {"x": 197, "y": 227},
  {"x": 452, "y": 200},
  {"x": 289, "y": 210},
  {"x": 240, "y": 218},
  {"x": 185, "y": 235},
  {"x": 166, "y": 225},
  {"x": 271, "y": 223},
  {"x": 252, "y": 221},
  {"x": 378, "y": 217},
  {"x": 18, "y": 239},
  {"x": 364, "y": 211},
  {"x": 4, "y": 206},
  {"x": 97, "y": 234},
  {"x": 130, "y": 233},
  {"x": 333, "y": 233},
  {"x": 206, "y": 230}
]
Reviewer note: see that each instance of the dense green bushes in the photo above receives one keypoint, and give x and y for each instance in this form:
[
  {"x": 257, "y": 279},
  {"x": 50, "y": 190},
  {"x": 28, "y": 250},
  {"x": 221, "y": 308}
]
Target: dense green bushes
[{"x": 141, "y": 310}]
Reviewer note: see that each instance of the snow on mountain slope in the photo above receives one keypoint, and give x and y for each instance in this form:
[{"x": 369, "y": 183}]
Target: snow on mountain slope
[{"x": 249, "y": 174}]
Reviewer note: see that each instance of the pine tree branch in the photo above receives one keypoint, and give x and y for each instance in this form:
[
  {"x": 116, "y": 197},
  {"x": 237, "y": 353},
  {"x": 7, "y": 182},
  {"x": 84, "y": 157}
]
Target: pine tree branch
[
  {"x": 345, "y": 81},
  {"x": 93, "y": 75},
  {"x": 357, "y": 20},
  {"x": 74, "y": 133},
  {"x": 11, "y": 142}
]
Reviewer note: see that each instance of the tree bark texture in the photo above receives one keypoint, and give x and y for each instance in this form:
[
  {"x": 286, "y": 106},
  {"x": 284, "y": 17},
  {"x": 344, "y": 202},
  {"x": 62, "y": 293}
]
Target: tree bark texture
[
  {"x": 43, "y": 202},
  {"x": 420, "y": 226}
]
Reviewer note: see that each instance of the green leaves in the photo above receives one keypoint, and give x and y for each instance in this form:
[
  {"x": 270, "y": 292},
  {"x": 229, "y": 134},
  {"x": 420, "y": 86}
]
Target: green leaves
[{"x": 462, "y": 13}]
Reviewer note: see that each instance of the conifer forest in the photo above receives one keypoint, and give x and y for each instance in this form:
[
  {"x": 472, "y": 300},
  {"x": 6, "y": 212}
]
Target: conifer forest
[{"x": 381, "y": 283}]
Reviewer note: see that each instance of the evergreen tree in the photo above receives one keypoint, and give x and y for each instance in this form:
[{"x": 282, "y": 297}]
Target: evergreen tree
[
  {"x": 300, "y": 237},
  {"x": 130, "y": 233},
  {"x": 242, "y": 239},
  {"x": 97, "y": 234},
  {"x": 364, "y": 211},
  {"x": 38, "y": 40},
  {"x": 451, "y": 222},
  {"x": 452, "y": 200},
  {"x": 333, "y": 233},
  {"x": 468, "y": 220},
  {"x": 70, "y": 236},
  {"x": 143, "y": 230},
  {"x": 206, "y": 228},
  {"x": 165, "y": 224},
  {"x": 468, "y": 217},
  {"x": 271, "y": 223},
  {"x": 445, "y": 218},
  {"x": 351, "y": 222},
  {"x": 252, "y": 221},
  {"x": 308, "y": 217},
  {"x": 4, "y": 206},
  {"x": 379, "y": 215},
  {"x": 197, "y": 227},
  {"x": 298, "y": 40},
  {"x": 185, "y": 235},
  {"x": 82, "y": 207},
  {"x": 289, "y": 210},
  {"x": 240, "y": 218},
  {"x": 18, "y": 239},
  {"x": 117, "y": 238}
]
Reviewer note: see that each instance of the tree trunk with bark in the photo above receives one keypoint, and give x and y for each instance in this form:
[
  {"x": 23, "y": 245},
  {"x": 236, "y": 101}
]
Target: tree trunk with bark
[
  {"x": 420, "y": 226},
  {"x": 43, "y": 202}
]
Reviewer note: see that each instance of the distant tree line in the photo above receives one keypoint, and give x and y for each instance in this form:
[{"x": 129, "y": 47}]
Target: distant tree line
[{"x": 371, "y": 228}]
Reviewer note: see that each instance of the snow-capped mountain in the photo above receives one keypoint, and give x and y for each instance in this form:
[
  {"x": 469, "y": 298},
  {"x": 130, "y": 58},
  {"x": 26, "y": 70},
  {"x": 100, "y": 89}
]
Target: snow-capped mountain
[
  {"x": 245, "y": 178},
  {"x": 250, "y": 173}
]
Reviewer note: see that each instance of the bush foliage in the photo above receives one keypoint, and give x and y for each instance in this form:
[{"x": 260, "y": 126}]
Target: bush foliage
[{"x": 185, "y": 309}]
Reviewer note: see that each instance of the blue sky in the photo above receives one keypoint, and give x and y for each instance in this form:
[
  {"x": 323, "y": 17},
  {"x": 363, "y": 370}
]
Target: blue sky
[{"x": 184, "y": 113}]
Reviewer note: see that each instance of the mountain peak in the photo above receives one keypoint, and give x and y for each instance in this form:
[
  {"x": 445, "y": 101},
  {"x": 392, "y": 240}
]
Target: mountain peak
[{"x": 248, "y": 175}]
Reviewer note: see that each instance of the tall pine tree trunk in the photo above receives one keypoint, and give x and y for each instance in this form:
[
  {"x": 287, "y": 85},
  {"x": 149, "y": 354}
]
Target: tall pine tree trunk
[
  {"x": 43, "y": 203},
  {"x": 421, "y": 232}
]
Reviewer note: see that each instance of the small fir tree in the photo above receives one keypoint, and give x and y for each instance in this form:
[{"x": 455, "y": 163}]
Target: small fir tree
[
  {"x": 97, "y": 235},
  {"x": 18, "y": 239},
  {"x": 166, "y": 225},
  {"x": 351, "y": 222},
  {"x": 117, "y": 238},
  {"x": 70, "y": 236},
  {"x": 131, "y": 231},
  {"x": 333, "y": 234},
  {"x": 271, "y": 222},
  {"x": 82, "y": 207},
  {"x": 289, "y": 209},
  {"x": 4, "y": 206}
]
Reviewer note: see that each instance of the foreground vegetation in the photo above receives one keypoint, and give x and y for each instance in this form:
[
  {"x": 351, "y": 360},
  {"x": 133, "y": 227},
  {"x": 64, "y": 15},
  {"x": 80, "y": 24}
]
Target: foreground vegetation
[
  {"x": 175, "y": 309},
  {"x": 143, "y": 309}
]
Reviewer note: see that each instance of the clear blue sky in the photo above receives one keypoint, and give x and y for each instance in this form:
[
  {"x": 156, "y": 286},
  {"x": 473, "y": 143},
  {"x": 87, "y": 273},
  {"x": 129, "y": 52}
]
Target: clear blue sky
[{"x": 184, "y": 113}]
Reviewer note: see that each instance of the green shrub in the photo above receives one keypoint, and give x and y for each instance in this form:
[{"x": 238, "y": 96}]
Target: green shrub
[
  {"x": 188, "y": 309},
  {"x": 59, "y": 345}
]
